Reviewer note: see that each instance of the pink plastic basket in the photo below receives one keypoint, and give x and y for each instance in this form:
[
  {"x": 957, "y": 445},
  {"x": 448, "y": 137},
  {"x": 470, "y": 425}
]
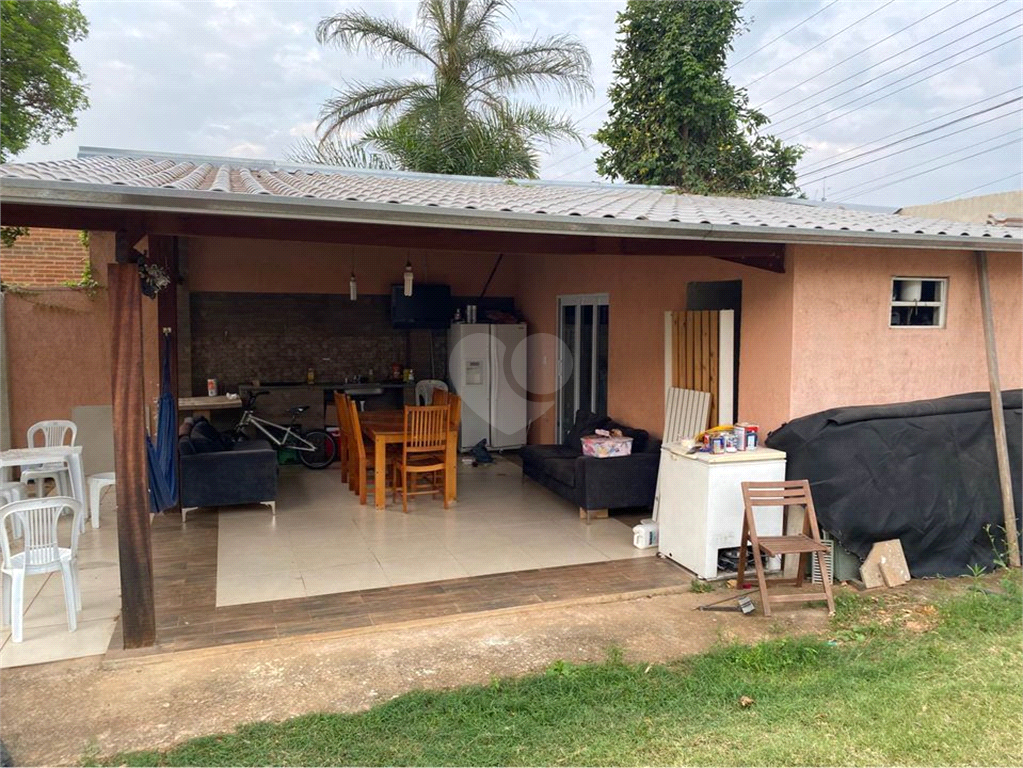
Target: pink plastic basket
[{"x": 606, "y": 447}]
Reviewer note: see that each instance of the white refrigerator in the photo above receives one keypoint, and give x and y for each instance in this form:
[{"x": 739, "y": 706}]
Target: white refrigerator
[{"x": 487, "y": 369}]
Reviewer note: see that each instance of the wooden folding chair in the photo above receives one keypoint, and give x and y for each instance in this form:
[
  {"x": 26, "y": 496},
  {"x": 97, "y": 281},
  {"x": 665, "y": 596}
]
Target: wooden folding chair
[
  {"x": 363, "y": 462},
  {"x": 422, "y": 452},
  {"x": 341, "y": 404},
  {"x": 784, "y": 494}
]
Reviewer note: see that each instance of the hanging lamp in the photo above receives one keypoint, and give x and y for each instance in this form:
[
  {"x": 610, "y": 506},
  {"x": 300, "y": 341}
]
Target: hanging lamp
[
  {"x": 353, "y": 288},
  {"x": 408, "y": 277}
]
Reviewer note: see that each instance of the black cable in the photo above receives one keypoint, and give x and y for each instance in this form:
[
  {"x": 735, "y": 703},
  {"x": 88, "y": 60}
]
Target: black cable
[
  {"x": 1015, "y": 175},
  {"x": 860, "y": 53},
  {"x": 888, "y": 58},
  {"x": 832, "y": 37},
  {"x": 893, "y": 70},
  {"x": 907, "y": 149},
  {"x": 1015, "y": 142},
  {"x": 807, "y": 169},
  {"x": 779, "y": 37},
  {"x": 794, "y": 130}
]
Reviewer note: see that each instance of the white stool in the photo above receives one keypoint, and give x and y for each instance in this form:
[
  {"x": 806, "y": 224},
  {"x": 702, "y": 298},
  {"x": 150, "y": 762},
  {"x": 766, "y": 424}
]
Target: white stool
[{"x": 97, "y": 483}]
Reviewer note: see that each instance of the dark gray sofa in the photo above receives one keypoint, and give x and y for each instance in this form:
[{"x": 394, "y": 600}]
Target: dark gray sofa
[
  {"x": 590, "y": 482},
  {"x": 218, "y": 473}
]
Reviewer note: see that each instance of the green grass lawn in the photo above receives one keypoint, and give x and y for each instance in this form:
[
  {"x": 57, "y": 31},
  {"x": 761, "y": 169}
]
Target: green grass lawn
[{"x": 906, "y": 679}]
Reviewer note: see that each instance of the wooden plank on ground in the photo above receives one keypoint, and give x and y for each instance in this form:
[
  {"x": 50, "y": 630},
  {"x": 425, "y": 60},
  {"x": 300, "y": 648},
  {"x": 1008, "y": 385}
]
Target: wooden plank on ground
[{"x": 133, "y": 521}]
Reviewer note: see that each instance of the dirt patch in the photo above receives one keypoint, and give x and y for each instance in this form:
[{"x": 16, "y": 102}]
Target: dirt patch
[{"x": 55, "y": 714}]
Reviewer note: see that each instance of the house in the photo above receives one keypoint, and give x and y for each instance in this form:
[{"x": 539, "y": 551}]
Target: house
[{"x": 830, "y": 306}]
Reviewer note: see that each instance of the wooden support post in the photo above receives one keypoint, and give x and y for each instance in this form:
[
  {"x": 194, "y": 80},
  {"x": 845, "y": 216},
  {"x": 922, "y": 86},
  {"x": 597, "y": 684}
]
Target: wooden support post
[
  {"x": 997, "y": 414},
  {"x": 134, "y": 541}
]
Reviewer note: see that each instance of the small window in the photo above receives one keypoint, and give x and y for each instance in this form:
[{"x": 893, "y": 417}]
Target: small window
[{"x": 918, "y": 302}]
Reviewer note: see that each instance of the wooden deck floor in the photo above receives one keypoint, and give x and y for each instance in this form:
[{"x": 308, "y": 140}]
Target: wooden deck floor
[{"x": 185, "y": 578}]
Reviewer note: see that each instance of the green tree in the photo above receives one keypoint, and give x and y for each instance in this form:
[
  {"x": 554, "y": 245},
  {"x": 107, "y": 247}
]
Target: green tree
[
  {"x": 462, "y": 118},
  {"x": 41, "y": 85},
  {"x": 675, "y": 119}
]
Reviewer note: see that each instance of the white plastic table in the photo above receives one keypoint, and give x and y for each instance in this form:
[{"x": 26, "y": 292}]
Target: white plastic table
[{"x": 72, "y": 454}]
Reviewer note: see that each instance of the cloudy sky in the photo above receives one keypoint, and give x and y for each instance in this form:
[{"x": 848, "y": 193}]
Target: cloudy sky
[{"x": 841, "y": 77}]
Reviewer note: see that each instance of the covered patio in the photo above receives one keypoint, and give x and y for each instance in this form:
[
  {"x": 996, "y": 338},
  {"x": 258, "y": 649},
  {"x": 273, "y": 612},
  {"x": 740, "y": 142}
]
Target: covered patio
[{"x": 224, "y": 228}]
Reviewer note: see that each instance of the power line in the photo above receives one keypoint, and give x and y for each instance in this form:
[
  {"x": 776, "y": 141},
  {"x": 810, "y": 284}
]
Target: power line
[
  {"x": 889, "y": 175},
  {"x": 1016, "y": 175},
  {"x": 779, "y": 37},
  {"x": 832, "y": 37},
  {"x": 807, "y": 169},
  {"x": 795, "y": 129},
  {"x": 889, "y": 58},
  {"x": 1014, "y": 142},
  {"x": 909, "y": 149}
]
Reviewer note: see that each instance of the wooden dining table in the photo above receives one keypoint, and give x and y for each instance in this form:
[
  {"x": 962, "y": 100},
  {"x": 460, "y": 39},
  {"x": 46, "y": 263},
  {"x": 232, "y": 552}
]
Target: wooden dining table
[{"x": 385, "y": 428}]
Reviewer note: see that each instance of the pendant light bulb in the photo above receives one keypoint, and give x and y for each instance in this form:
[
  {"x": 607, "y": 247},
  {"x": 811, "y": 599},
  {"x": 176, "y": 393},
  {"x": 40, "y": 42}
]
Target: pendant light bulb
[
  {"x": 353, "y": 288},
  {"x": 408, "y": 277}
]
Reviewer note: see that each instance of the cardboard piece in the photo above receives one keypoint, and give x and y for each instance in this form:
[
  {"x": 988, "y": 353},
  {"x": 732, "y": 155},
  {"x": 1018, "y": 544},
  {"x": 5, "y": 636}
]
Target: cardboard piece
[{"x": 885, "y": 565}]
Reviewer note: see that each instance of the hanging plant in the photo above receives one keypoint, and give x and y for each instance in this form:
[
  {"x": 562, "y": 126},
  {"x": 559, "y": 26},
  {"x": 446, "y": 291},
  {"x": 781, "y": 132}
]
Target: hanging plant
[{"x": 153, "y": 277}]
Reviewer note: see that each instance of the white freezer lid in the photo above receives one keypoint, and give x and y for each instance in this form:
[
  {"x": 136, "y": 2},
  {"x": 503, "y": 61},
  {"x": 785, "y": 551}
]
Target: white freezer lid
[{"x": 759, "y": 453}]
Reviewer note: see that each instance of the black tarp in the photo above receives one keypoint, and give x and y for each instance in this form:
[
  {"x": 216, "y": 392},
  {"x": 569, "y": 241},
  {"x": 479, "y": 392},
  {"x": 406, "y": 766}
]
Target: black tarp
[{"x": 923, "y": 472}]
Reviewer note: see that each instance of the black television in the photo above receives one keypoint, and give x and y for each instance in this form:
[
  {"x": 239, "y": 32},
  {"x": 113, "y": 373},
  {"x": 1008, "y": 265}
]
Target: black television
[{"x": 429, "y": 306}]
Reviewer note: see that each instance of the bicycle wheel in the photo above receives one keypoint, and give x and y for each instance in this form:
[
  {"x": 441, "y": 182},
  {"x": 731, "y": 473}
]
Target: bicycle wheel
[{"x": 325, "y": 449}]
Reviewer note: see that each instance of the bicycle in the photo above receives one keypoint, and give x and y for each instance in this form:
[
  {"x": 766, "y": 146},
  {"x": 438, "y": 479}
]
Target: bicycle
[{"x": 316, "y": 448}]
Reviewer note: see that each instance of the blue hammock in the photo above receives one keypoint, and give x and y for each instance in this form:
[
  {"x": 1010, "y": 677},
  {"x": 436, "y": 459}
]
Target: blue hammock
[{"x": 162, "y": 457}]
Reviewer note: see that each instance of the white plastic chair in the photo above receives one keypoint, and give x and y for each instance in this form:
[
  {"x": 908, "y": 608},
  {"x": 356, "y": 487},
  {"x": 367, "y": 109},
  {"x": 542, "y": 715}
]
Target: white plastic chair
[
  {"x": 53, "y": 432},
  {"x": 424, "y": 390},
  {"x": 42, "y": 554},
  {"x": 96, "y": 484},
  {"x": 13, "y": 491}
]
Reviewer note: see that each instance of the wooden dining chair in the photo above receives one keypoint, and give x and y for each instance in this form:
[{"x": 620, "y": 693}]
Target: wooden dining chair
[
  {"x": 784, "y": 494},
  {"x": 364, "y": 468},
  {"x": 341, "y": 405},
  {"x": 440, "y": 397},
  {"x": 422, "y": 453}
]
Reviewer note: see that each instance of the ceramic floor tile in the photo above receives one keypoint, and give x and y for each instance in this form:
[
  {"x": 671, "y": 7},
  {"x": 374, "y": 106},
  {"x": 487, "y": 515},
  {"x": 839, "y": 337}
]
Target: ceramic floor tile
[
  {"x": 415, "y": 571},
  {"x": 270, "y": 561},
  {"x": 344, "y": 578},
  {"x": 43, "y": 644},
  {"x": 50, "y": 610},
  {"x": 258, "y": 588},
  {"x": 508, "y": 560}
]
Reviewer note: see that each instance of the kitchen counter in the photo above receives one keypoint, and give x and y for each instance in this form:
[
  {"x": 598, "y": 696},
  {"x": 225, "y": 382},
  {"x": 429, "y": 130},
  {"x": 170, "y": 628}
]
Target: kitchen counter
[{"x": 320, "y": 399}]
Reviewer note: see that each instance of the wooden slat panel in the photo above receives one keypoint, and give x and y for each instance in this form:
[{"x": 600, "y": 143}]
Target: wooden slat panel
[
  {"x": 712, "y": 364},
  {"x": 133, "y": 522}
]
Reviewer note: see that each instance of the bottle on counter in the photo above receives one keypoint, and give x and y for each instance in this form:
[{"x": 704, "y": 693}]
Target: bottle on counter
[
  {"x": 310, "y": 376},
  {"x": 370, "y": 375}
]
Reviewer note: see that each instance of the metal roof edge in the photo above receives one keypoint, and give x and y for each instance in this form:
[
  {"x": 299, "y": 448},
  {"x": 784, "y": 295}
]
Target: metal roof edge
[{"x": 157, "y": 199}]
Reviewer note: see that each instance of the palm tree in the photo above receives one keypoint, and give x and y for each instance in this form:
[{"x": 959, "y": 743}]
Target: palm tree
[{"x": 463, "y": 120}]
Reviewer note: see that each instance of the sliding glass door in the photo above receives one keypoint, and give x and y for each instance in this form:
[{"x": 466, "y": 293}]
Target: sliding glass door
[{"x": 582, "y": 357}]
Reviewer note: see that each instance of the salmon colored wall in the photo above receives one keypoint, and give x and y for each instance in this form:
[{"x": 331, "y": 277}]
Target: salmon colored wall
[
  {"x": 58, "y": 347},
  {"x": 641, "y": 289},
  {"x": 844, "y": 353},
  {"x": 258, "y": 266}
]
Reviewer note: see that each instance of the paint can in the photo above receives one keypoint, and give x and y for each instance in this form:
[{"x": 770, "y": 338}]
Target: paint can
[{"x": 211, "y": 387}]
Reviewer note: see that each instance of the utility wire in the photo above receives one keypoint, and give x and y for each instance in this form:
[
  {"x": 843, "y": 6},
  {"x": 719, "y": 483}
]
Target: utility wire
[
  {"x": 829, "y": 174},
  {"x": 943, "y": 47},
  {"x": 811, "y": 168},
  {"x": 1013, "y": 143},
  {"x": 795, "y": 129},
  {"x": 818, "y": 45},
  {"x": 779, "y": 37},
  {"x": 884, "y": 176},
  {"x": 982, "y": 186}
]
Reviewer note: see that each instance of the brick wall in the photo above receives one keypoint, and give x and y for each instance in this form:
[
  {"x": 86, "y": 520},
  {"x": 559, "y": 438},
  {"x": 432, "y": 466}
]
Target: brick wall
[
  {"x": 43, "y": 258},
  {"x": 237, "y": 337}
]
